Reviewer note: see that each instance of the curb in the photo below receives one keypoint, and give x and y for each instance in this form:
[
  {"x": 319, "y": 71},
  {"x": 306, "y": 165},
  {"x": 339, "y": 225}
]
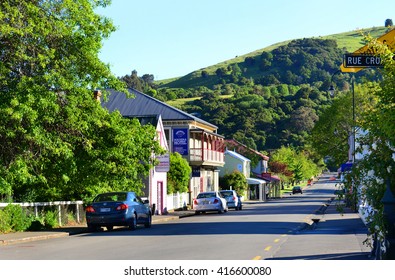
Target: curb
[
  {"x": 316, "y": 217},
  {"x": 33, "y": 238}
]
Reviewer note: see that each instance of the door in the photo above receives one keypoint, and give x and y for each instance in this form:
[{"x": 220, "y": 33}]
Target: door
[{"x": 159, "y": 201}]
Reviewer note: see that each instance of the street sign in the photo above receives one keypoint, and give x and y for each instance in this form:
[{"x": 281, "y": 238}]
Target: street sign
[
  {"x": 361, "y": 60},
  {"x": 387, "y": 39}
]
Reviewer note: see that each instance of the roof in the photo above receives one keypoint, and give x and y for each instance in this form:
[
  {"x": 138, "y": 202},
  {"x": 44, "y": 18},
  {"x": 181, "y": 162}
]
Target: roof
[
  {"x": 148, "y": 119},
  {"x": 140, "y": 104},
  {"x": 236, "y": 155},
  {"x": 254, "y": 181},
  {"x": 241, "y": 147}
]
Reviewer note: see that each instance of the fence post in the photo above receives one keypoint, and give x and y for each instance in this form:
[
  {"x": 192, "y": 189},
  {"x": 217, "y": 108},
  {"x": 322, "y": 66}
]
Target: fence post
[
  {"x": 77, "y": 211},
  {"x": 60, "y": 215}
]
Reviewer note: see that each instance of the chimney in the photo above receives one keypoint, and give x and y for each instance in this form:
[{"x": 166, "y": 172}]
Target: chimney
[{"x": 97, "y": 95}]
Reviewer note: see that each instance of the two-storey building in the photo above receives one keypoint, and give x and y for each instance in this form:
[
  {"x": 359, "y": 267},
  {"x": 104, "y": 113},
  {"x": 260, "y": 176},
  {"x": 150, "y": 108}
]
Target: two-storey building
[{"x": 195, "y": 139}]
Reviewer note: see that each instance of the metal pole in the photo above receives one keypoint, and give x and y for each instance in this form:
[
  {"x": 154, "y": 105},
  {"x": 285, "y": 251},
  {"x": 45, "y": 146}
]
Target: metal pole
[{"x": 353, "y": 118}]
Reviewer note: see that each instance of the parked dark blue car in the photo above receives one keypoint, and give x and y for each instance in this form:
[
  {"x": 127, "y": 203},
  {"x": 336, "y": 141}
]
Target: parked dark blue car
[{"x": 118, "y": 209}]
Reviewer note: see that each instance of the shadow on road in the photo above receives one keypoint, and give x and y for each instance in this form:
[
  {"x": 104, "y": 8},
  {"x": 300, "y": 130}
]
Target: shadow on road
[{"x": 339, "y": 256}]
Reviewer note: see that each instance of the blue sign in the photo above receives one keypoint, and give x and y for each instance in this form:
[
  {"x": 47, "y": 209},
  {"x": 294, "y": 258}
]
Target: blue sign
[
  {"x": 180, "y": 141},
  {"x": 346, "y": 167}
]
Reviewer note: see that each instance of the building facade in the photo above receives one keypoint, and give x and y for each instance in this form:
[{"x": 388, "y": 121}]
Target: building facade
[{"x": 195, "y": 139}]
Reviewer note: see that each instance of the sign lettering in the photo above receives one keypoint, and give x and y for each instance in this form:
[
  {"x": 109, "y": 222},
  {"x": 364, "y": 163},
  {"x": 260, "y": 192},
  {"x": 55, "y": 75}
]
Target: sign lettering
[{"x": 361, "y": 60}]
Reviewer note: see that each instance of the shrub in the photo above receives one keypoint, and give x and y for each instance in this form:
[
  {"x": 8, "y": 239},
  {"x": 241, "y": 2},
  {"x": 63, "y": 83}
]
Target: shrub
[
  {"x": 4, "y": 222},
  {"x": 51, "y": 219},
  {"x": 17, "y": 218}
]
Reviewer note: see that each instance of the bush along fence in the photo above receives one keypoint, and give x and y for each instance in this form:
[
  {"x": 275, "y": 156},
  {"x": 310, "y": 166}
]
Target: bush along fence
[{"x": 40, "y": 215}]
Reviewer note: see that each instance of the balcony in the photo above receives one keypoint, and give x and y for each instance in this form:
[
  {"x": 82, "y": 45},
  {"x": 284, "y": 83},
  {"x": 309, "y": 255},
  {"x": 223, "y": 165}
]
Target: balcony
[
  {"x": 201, "y": 156},
  {"x": 206, "y": 148}
]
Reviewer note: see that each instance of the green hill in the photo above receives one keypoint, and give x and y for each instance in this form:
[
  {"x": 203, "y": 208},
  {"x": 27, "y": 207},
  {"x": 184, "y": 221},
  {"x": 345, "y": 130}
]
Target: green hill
[
  {"x": 347, "y": 42},
  {"x": 273, "y": 96}
]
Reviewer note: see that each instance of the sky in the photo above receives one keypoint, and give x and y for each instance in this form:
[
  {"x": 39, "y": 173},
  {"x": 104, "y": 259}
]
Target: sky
[{"x": 172, "y": 38}]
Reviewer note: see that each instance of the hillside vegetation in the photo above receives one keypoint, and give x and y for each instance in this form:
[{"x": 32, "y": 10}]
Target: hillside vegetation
[
  {"x": 270, "y": 97},
  {"x": 346, "y": 42}
]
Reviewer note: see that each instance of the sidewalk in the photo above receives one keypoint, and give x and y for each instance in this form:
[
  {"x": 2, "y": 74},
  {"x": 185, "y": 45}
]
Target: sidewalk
[
  {"x": 328, "y": 235},
  {"x": 27, "y": 236}
]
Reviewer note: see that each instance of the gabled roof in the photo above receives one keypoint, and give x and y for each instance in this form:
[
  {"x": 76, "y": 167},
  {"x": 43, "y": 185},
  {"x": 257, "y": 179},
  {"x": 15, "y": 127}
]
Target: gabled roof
[
  {"x": 236, "y": 155},
  {"x": 141, "y": 104}
]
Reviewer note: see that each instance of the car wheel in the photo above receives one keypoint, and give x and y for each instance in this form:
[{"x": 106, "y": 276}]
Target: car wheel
[
  {"x": 133, "y": 223},
  {"x": 109, "y": 228},
  {"x": 149, "y": 221},
  {"x": 197, "y": 212},
  {"x": 221, "y": 210}
]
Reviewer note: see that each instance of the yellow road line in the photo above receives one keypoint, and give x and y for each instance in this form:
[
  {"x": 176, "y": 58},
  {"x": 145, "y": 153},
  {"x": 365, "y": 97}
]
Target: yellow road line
[
  {"x": 276, "y": 240},
  {"x": 268, "y": 248},
  {"x": 257, "y": 258}
]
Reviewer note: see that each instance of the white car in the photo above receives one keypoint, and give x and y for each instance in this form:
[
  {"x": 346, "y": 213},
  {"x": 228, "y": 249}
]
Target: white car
[
  {"x": 210, "y": 201},
  {"x": 232, "y": 199}
]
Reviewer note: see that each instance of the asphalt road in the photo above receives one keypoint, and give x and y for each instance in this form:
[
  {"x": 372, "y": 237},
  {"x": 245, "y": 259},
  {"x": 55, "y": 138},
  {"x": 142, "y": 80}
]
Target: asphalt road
[{"x": 256, "y": 232}]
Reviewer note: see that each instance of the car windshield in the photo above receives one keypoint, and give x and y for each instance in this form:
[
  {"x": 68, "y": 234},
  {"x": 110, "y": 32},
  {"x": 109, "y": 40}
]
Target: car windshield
[
  {"x": 206, "y": 195},
  {"x": 110, "y": 197},
  {"x": 227, "y": 194}
]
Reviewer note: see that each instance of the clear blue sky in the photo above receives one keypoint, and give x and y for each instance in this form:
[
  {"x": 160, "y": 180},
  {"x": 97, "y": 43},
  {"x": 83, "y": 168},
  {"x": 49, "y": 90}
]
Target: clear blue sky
[{"x": 171, "y": 38}]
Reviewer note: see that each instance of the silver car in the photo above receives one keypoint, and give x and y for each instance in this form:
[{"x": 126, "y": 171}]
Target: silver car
[
  {"x": 209, "y": 201},
  {"x": 232, "y": 199}
]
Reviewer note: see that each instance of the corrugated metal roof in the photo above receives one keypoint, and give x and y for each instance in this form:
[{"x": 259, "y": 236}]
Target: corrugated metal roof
[{"x": 141, "y": 104}]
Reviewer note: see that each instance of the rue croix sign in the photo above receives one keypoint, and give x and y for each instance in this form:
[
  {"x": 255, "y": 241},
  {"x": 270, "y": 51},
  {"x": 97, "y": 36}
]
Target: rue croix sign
[{"x": 361, "y": 60}]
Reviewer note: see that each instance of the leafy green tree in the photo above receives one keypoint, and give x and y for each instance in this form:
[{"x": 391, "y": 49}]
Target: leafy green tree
[
  {"x": 179, "y": 174},
  {"x": 290, "y": 162},
  {"x": 236, "y": 180},
  {"x": 375, "y": 174},
  {"x": 56, "y": 141}
]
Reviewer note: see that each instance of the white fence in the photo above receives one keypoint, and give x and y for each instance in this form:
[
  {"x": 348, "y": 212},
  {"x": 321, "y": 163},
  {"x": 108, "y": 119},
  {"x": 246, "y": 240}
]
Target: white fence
[
  {"x": 177, "y": 200},
  {"x": 62, "y": 208}
]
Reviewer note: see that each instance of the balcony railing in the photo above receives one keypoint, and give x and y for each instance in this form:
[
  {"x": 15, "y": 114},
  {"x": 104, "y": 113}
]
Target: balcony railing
[{"x": 206, "y": 156}]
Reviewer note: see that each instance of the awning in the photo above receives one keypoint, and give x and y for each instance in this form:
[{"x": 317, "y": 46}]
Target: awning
[
  {"x": 269, "y": 178},
  {"x": 254, "y": 181},
  {"x": 346, "y": 166}
]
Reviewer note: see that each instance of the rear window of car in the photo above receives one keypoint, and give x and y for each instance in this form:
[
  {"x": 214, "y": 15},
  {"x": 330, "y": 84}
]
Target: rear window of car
[
  {"x": 227, "y": 194},
  {"x": 206, "y": 195},
  {"x": 111, "y": 197}
]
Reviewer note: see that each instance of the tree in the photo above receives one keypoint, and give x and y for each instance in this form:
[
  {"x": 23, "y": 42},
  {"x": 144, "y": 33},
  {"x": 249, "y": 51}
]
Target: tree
[
  {"x": 56, "y": 141},
  {"x": 388, "y": 23},
  {"x": 133, "y": 81},
  {"x": 375, "y": 174},
  {"x": 236, "y": 180},
  {"x": 293, "y": 165},
  {"x": 179, "y": 174}
]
